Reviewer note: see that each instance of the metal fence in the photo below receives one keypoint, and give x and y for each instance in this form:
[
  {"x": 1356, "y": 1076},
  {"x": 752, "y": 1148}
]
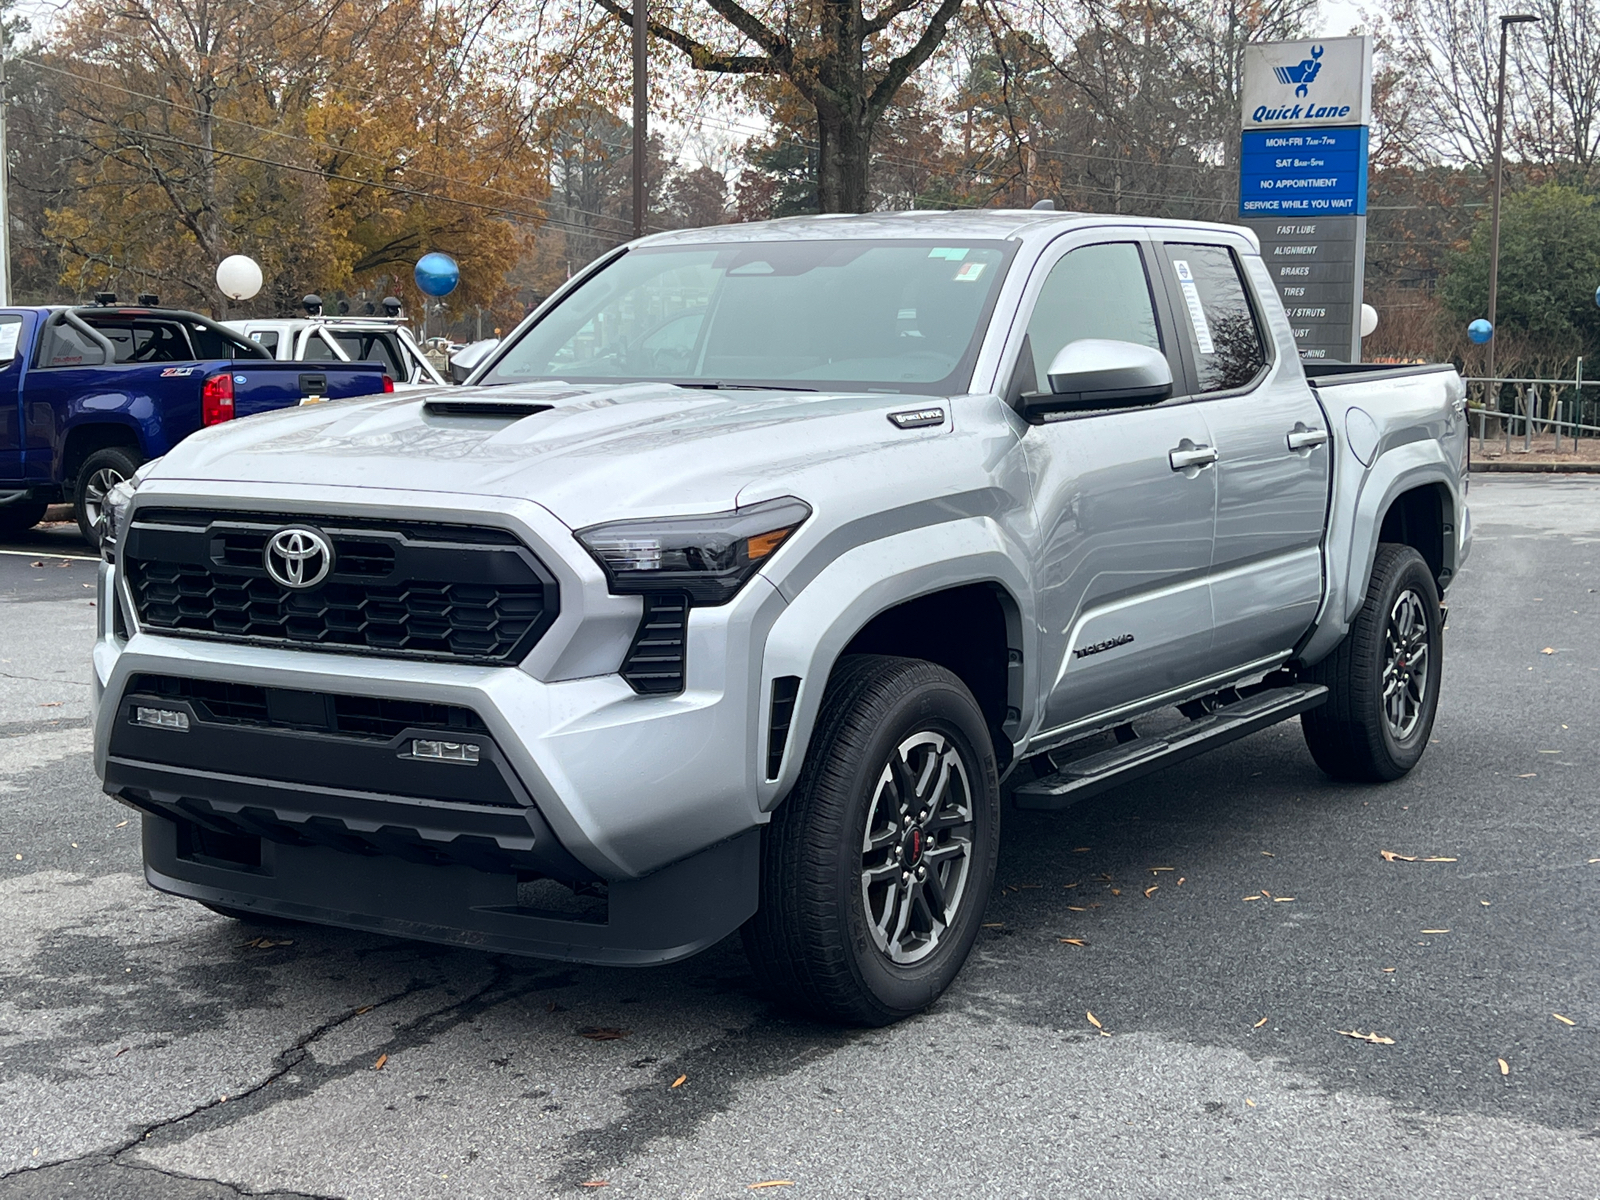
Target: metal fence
[{"x": 1533, "y": 406}]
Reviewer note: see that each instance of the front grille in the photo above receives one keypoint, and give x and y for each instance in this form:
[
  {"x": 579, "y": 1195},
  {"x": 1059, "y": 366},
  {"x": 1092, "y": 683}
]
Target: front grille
[
  {"x": 397, "y": 588},
  {"x": 369, "y": 717}
]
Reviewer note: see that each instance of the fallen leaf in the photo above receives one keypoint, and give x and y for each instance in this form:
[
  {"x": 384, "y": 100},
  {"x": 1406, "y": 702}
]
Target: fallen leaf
[
  {"x": 1259, "y": 1023},
  {"x": 604, "y": 1033},
  {"x": 1250, "y": 1102},
  {"x": 1149, "y": 891},
  {"x": 679, "y": 1081},
  {"x": 1266, "y": 893},
  {"x": 1116, "y": 891},
  {"x": 1388, "y": 970},
  {"x": 1072, "y": 941},
  {"x": 1375, "y": 1038},
  {"x": 365, "y": 1008},
  {"x": 120, "y": 824},
  {"x": 1153, "y": 869},
  {"x": 1563, "y": 1020},
  {"x": 595, "y": 1183},
  {"x": 994, "y": 924},
  {"x": 1252, "y": 897},
  {"x": 1435, "y": 931},
  {"x": 1438, "y": 859},
  {"x": 1269, "y": 854},
  {"x": 52, "y": 704},
  {"x": 766, "y": 1183},
  {"x": 1081, "y": 850},
  {"x": 382, "y": 1058},
  {"x": 39, "y": 563},
  {"x": 1069, "y": 885},
  {"x": 1095, "y": 1021},
  {"x": 1548, "y": 650},
  {"x": 1282, "y": 899},
  {"x": 1181, "y": 881},
  {"x": 1529, "y": 775},
  {"x": 1076, "y": 908},
  {"x": 1391, "y": 856},
  {"x": 1594, "y": 860},
  {"x": 1505, "y": 1067},
  {"x": 121, "y": 1052}
]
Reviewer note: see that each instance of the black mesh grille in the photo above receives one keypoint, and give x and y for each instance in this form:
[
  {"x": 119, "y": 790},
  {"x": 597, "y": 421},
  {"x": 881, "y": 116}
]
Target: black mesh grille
[
  {"x": 371, "y": 717},
  {"x": 397, "y": 588}
]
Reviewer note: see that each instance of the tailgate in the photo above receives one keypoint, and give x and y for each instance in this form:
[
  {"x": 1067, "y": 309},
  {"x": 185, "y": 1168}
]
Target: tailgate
[{"x": 261, "y": 386}]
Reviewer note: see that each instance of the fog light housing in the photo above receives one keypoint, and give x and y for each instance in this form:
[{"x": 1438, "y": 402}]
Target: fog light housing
[
  {"x": 460, "y": 752},
  {"x": 161, "y": 718}
]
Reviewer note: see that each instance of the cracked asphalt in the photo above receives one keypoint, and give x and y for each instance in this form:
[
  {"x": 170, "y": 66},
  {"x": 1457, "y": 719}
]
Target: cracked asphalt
[{"x": 149, "y": 1048}]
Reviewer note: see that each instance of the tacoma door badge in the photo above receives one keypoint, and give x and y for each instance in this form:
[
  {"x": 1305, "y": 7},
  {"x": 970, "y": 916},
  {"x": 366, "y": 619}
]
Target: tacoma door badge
[
  {"x": 298, "y": 557},
  {"x": 1122, "y": 639}
]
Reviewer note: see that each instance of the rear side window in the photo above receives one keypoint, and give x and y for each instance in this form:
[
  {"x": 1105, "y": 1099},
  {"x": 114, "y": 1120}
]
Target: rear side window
[
  {"x": 374, "y": 347},
  {"x": 317, "y": 349},
  {"x": 267, "y": 339},
  {"x": 146, "y": 341},
  {"x": 66, "y": 346},
  {"x": 1093, "y": 292},
  {"x": 1215, "y": 311}
]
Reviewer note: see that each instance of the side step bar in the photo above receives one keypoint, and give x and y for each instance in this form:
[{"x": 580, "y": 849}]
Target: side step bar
[{"x": 1089, "y": 776}]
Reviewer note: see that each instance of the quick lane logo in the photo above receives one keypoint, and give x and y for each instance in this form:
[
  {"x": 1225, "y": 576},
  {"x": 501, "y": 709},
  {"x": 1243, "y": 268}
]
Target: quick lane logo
[
  {"x": 1122, "y": 639},
  {"x": 1302, "y": 74}
]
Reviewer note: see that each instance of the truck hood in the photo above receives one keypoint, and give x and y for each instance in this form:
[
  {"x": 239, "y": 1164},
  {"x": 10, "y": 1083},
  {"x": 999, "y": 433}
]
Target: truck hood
[{"x": 595, "y": 454}]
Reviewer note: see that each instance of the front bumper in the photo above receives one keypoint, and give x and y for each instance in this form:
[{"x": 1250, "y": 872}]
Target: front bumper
[{"x": 648, "y": 801}]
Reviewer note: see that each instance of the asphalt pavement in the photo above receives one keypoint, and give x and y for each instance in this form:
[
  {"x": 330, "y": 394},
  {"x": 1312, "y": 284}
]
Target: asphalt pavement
[{"x": 1239, "y": 920}]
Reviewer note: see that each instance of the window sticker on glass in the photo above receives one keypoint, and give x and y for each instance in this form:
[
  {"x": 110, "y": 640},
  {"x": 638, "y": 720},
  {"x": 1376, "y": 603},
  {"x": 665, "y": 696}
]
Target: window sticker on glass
[
  {"x": 969, "y": 272},
  {"x": 950, "y": 253},
  {"x": 8, "y": 340},
  {"x": 1197, "y": 314}
]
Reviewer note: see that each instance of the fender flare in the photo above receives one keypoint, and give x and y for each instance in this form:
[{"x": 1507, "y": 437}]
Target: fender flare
[{"x": 813, "y": 630}]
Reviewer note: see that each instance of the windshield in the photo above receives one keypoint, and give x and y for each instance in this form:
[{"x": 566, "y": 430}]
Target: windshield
[{"x": 856, "y": 315}]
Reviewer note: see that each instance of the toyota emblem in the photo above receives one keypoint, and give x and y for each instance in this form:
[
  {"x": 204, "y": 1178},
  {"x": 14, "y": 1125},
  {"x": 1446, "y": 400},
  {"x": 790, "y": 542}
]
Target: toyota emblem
[{"x": 298, "y": 557}]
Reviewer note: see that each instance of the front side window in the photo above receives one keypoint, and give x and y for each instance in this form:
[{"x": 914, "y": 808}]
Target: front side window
[
  {"x": 10, "y": 331},
  {"x": 267, "y": 339},
  {"x": 895, "y": 316},
  {"x": 1215, "y": 310},
  {"x": 1093, "y": 292}
]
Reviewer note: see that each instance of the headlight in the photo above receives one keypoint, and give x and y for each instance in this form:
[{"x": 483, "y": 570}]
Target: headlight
[
  {"x": 118, "y": 498},
  {"x": 708, "y": 557}
]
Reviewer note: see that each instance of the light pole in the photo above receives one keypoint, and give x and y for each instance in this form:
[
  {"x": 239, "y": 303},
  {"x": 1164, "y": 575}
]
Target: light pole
[
  {"x": 1506, "y": 23},
  {"x": 641, "y": 111}
]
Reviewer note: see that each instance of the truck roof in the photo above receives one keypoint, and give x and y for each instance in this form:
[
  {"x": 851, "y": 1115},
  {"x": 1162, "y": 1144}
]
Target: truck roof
[{"x": 1001, "y": 223}]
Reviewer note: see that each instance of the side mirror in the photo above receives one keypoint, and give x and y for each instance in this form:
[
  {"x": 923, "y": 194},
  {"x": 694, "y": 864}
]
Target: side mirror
[{"x": 1093, "y": 373}]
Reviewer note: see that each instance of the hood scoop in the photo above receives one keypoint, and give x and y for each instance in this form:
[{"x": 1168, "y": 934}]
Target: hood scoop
[{"x": 493, "y": 406}]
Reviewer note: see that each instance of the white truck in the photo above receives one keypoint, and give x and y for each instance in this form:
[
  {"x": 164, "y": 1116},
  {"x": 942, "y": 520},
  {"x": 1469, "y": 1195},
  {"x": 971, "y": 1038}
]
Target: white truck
[
  {"x": 382, "y": 340},
  {"x": 760, "y": 565}
]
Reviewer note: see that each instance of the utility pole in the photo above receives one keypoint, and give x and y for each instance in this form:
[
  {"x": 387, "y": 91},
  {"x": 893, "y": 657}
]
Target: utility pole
[
  {"x": 1506, "y": 23},
  {"x": 641, "y": 112},
  {"x": 5, "y": 173}
]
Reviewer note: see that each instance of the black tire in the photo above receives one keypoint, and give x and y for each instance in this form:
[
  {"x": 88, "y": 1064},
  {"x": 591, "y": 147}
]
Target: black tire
[
  {"x": 245, "y": 915},
  {"x": 1368, "y": 732},
  {"x": 99, "y": 472},
  {"x": 813, "y": 943},
  {"x": 21, "y": 515}
]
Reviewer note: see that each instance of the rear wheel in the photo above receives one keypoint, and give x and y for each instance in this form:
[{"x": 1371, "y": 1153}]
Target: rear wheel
[
  {"x": 21, "y": 515},
  {"x": 101, "y": 472},
  {"x": 876, "y": 869},
  {"x": 1383, "y": 680}
]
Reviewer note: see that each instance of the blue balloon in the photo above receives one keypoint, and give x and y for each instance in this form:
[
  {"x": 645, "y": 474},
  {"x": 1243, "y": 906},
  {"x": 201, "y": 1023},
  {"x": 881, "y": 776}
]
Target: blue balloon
[
  {"x": 1597, "y": 295},
  {"x": 1480, "y": 331},
  {"x": 437, "y": 274}
]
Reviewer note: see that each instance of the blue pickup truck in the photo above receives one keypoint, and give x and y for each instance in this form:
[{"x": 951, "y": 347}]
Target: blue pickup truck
[{"x": 89, "y": 393}]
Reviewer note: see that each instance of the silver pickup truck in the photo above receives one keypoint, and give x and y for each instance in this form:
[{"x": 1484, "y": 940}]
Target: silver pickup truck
[{"x": 762, "y": 563}]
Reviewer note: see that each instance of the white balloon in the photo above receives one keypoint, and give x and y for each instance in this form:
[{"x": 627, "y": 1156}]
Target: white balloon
[
  {"x": 1369, "y": 319},
  {"x": 239, "y": 277}
]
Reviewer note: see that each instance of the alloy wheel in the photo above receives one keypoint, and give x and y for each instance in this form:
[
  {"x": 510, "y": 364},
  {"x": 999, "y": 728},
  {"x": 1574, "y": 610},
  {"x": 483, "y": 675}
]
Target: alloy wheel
[
  {"x": 1405, "y": 667},
  {"x": 95, "y": 488},
  {"x": 916, "y": 853}
]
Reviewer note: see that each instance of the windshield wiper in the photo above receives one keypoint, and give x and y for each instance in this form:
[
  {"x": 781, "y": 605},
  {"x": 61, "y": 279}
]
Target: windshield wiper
[{"x": 744, "y": 387}]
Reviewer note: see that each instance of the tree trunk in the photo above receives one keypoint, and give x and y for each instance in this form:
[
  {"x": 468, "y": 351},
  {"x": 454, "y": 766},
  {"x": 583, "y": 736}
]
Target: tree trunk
[{"x": 844, "y": 159}]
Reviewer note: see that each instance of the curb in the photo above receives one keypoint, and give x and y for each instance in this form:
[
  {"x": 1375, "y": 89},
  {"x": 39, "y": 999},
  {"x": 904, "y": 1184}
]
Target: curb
[{"x": 1538, "y": 468}]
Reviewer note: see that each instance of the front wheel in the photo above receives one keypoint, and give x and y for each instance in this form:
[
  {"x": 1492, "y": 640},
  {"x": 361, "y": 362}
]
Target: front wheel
[
  {"x": 1383, "y": 679},
  {"x": 101, "y": 472},
  {"x": 877, "y": 867}
]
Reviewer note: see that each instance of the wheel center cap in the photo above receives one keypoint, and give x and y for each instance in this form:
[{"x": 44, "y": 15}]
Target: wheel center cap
[{"x": 914, "y": 845}]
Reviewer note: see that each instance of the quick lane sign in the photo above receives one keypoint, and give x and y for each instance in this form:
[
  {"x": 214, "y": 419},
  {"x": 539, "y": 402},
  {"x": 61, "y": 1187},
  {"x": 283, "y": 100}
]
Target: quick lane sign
[
  {"x": 1308, "y": 172},
  {"x": 1303, "y": 183}
]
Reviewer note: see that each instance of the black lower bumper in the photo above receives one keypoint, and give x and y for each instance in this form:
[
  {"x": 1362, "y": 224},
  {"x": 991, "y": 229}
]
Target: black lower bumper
[{"x": 674, "y": 913}]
